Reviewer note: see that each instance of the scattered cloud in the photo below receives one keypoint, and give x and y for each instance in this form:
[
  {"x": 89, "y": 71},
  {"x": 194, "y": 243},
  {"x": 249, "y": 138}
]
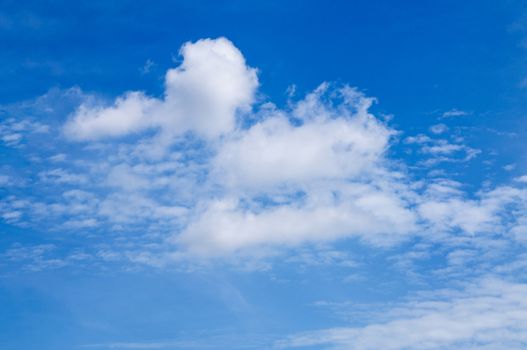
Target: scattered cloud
[
  {"x": 205, "y": 171},
  {"x": 12, "y": 130},
  {"x": 442, "y": 150},
  {"x": 61, "y": 176},
  {"x": 438, "y": 129},
  {"x": 33, "y": 258}
]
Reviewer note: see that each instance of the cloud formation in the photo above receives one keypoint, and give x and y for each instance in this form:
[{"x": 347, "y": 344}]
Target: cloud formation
[{"x": 208, "y": 172}]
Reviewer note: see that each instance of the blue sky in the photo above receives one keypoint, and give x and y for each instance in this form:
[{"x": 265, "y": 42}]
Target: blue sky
[{"x": 263, "y": 175}]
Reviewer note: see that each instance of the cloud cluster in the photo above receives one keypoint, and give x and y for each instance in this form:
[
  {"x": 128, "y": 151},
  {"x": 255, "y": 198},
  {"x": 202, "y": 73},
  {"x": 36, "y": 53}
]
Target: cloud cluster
[
  {"x": 442, "y": 150},
  {"x": 314, "y": 171},
  {"x": 206, "y": 171},
  {"x": 12, "y": 130}
]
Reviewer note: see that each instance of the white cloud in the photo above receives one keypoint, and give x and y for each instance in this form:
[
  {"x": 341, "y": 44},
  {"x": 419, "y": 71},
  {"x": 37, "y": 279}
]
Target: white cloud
[
  {"x": 442, "y": 150},
  {"x": 33, "y": 258},
  {"x": 57, "y": 158},
  {"x": 419, "y": 139},
  {"x": 61, "y": 176},
  {"x": 454, "y": 113},
  {"x": 202, "y": 95},
  {"x": 134, "y": 207},
  {"x": 127, "y": 115},
  {"x": 12, "y": 131},
  {"x": 225, "y": 226},
  {"x": 490, "y": 212},
  {"x": 336, "y": 143},
  {"x": 439, "y": 129},
  {"x": 489, "y": 314},
  {"x": 442, "y": 147},
  {"x": 324, "y": 178}
]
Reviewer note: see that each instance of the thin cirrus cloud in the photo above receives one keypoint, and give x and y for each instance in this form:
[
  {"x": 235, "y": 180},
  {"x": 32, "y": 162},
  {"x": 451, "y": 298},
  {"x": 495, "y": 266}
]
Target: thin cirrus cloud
[
  {"x": 454, "y": 113},
  {"x": 487, "y": 314}
]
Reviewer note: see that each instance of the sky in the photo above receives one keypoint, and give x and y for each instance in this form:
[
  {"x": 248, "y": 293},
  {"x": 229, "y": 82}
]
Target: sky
[{"x": 246, "y": 175}]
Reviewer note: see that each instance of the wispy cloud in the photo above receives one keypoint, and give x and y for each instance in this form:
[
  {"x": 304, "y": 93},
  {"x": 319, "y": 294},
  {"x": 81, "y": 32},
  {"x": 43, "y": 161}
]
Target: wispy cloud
[
  {"x": 488, "y": 314},
  {"x": 455, "y": 113}
]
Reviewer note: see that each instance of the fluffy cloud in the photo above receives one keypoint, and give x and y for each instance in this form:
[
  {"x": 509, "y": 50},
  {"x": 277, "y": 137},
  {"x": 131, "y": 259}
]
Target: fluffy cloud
[
  {"x": 202, "y": 95},
  {"x": 315, "y": 171},
  {"x": 128, "y": 114},
  {"x": 322, "y": 172},
  {"x": 226, "y": 226},
  {"x": 330, "y": 142}
]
